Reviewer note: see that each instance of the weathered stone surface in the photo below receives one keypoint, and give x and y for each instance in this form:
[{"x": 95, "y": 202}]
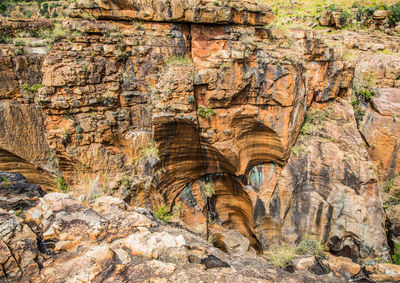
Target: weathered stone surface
[
  {"x": 18, "y": 249},
  {"x": 210, "y": 12},
  {"x": 304, "y": 263},
  {"x": 384, "y": 272},
  {"x": 23, "y": 141},
  {"x": 343, "y": 266},
  {"x": 327, "y": 189},
  {"x": 381, "y": 129},
  {"x": 127, "y": 245},
  {"x": 224, "y": 104},
  {"x": 16, "y": 193}
]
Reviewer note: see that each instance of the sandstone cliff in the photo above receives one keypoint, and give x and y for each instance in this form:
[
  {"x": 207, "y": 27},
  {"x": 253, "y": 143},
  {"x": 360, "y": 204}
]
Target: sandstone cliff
[{"x": 206, "y": 110}]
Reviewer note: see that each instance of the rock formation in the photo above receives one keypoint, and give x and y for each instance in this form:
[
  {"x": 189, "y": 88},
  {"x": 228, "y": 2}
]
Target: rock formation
[{"x": 253, "y": 134}]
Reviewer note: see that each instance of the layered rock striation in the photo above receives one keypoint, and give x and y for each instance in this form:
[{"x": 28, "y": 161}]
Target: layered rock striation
[{"x": 205, "y": 105}]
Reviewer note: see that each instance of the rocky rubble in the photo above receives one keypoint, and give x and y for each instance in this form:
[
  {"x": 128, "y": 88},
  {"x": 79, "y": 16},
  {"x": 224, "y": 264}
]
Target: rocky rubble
[{"x": 113, "y": 243}]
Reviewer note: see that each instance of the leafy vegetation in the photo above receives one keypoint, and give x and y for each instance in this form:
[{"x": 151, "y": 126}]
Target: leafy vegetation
[
  {"x": 163, "y": 214},
  {"x": 396, "y": 254},
  {"x": 151, "y": 151},
  {"x": 206, "y": 112},
  {"x": 309, "y": 246},
  {"x": 209, "y": 189},
  {"x": 32, "y": 89},
  {"x": 394, "y": 15},
  {"x": 62, "y": 185},
  {"x": 366, "y": 94},
  {"x": 5, "y": 182},
  {"x": 18, "y": 212},
  {"x": 281, "y": 256},
  {"x": 296, "y": 150},
  {"x": 313, "y": 118}
]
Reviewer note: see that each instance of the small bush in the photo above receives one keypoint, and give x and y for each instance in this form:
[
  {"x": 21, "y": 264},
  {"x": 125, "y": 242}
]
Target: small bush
[
  {"x": 312, "y": 247},
  {"x": 78, "y": 129},
  {"x": 366, "y": 94},
  {"x": 18, "y": 212},
  {"x": 281, "y": 256},
  {"x": 390, "y": 183},
  {"x": 394, "y": 15},
  {"x": 62, "y": 185},
  {"x": 32, "y": 89},
  {"x": 150, "y": 151},
  {"x": 5, "y": 182},
  {"x": 209, "y": 189},
  {"x": 4, "y": 38},
  {"x": 206, "y": 112},
  {"x": 19, "y": 43},
  {"x": 163, "y": 214},
  {"x": 396, "y": 254},
  {"x": 345, "y": 17}
]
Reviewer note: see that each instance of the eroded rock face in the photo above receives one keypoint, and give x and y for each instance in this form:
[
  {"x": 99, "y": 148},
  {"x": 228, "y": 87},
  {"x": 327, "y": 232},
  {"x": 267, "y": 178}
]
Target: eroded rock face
[
  {"x": 380, "y": 125},
  {"x": 18, "y": 249},
  {"x": 235, "y": 12},
  {"x": 23, "y": 145},
  {"x": 327, "y": 189},
  {"x": 126, "y": 244},
  {"x": 16, "y": 193},
  {"x": 222, "y": 103}
]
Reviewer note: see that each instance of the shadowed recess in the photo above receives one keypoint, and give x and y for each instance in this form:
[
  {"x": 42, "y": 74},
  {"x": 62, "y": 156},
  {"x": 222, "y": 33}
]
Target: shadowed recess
[
  {"x": 257, "y": 143},
  {"x": 184, "y": 155},
  {"x": 12, "y": 163}
]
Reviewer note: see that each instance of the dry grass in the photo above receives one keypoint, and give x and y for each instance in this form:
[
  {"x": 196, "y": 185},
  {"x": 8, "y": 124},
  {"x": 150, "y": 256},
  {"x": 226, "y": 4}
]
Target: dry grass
[
  {"x": 281, "y": 256},
  {"x": 303, "y": 14}
]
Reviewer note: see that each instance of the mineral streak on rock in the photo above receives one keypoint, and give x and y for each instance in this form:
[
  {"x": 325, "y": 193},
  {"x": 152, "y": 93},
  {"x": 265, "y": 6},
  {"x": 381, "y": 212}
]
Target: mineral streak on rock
[{"x": 205, "y": 104}]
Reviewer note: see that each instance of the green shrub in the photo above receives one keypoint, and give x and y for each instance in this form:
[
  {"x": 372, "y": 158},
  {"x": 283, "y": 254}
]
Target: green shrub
[
  {"x": 390, "y": 183},
  {"x": 62, "y": 185},
  {"x": 78, "y": 129},
  {"x": 396, "y": 254},
  {"x": 4, "y": 38},
  {"x": 163, "y": 214},
  {"x": 366, "y": 94},
  {"x": 5, "y": 182},
  {"x": 18, "y": 212},
  {"x": 150, "y": 151},
  {"x": 309, "y": 246},
  {"x": 345, "y": 17},
  {"x": 281, "y": 256},
  {"x": 32, "y": 89},
  {"x": 206, "y": 112},
  {"x": 19, "y": 43},
  {"x": 394, "y": 15}
]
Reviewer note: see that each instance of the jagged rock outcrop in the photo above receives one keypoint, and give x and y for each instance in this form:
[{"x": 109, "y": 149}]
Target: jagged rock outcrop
[
  {"x": 199, "y": 109},
  {"x": 17, "y": 194},
  {"x": 113, "y": 243},
  {"x": 380, "y": 124},
  {"x": 210, "y": 12},
  {"x": 328, "y": 189}
]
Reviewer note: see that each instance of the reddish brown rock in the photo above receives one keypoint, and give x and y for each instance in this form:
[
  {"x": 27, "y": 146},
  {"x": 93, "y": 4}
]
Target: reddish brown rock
[
  {"x": 326, "y": 189},
  {"x": 343, "y": 266},
  {"x": 211, "y": 12},
  {"x": 384, "y": 272}
]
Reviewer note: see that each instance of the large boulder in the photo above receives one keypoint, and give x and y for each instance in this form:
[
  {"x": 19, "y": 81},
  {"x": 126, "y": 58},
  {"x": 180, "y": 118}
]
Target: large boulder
[{"x": 16, "y": 193}]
